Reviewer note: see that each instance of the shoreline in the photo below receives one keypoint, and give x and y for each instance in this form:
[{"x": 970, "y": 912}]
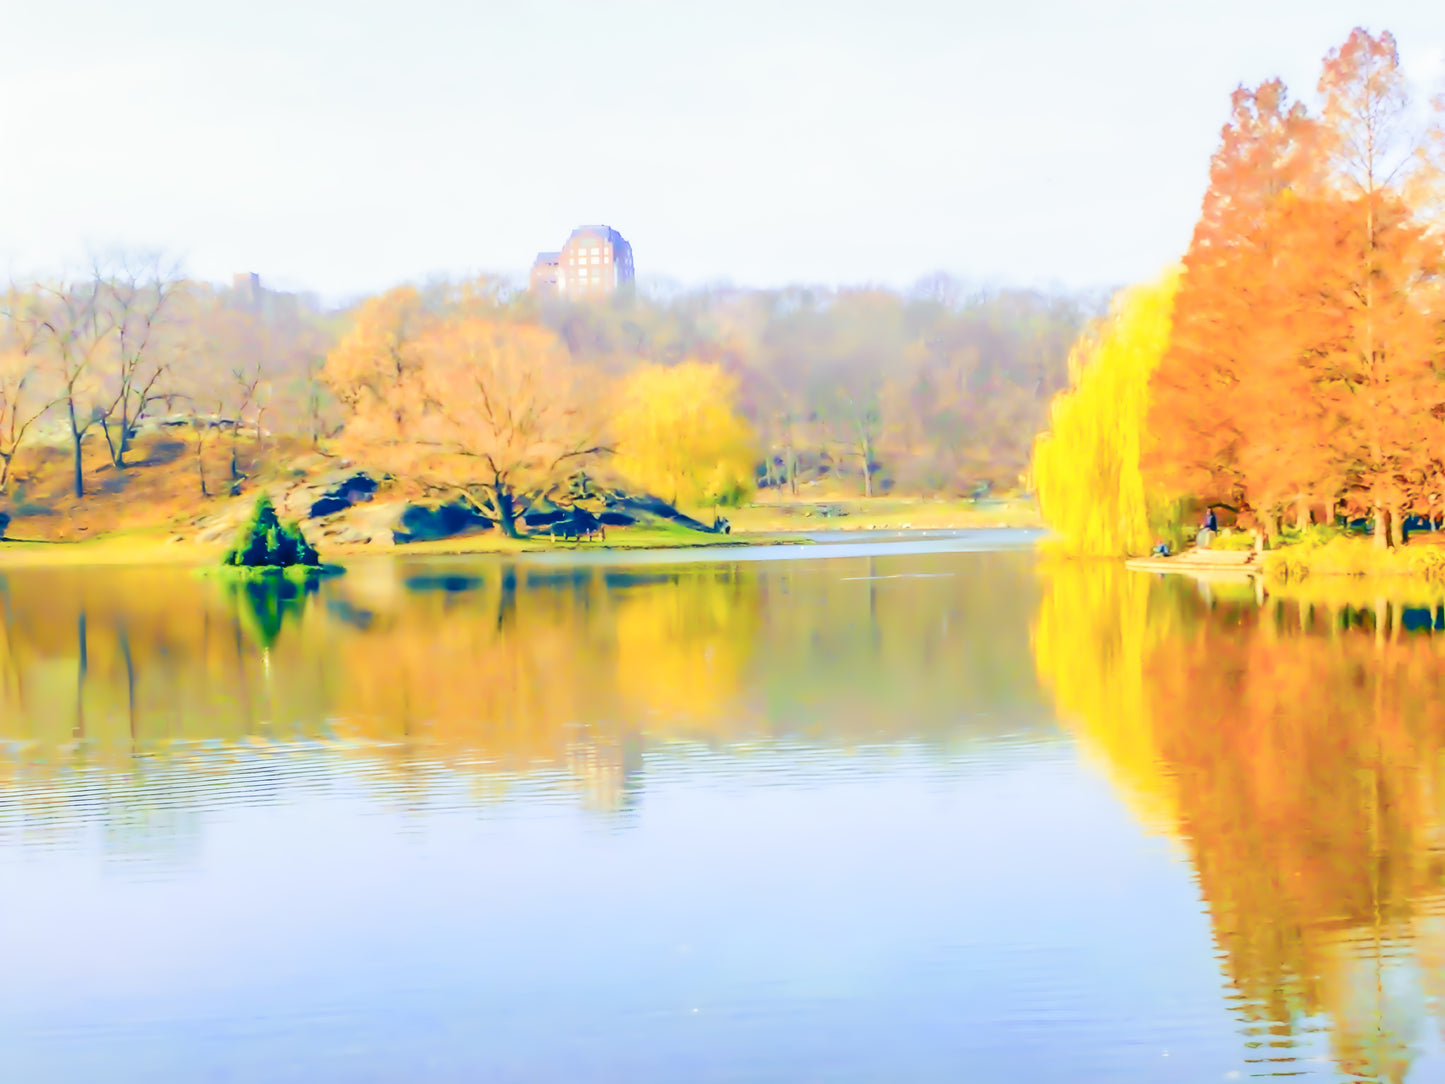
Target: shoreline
[
  {"x": 153, "y": 551},
  {"x": 758, "y": 524}
]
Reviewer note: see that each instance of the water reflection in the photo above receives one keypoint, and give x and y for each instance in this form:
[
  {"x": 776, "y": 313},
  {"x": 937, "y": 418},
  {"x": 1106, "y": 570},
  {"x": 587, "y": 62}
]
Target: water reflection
[
  {"x": 1289, "y": 748},
  {"x": 1293, "y": 746},
  {"x": 496, "y": 668}
]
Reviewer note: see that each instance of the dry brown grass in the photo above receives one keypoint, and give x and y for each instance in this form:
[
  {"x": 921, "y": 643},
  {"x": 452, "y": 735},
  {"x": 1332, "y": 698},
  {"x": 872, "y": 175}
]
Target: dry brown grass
[{"x": 159, "y": 488}]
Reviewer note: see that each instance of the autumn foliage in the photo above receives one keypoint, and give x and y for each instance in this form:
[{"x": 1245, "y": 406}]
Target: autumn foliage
[
  {"x": 1087, "y": 467},
  {"x": 681, "y": 436},
  {"x": 1304, "y": 374}
]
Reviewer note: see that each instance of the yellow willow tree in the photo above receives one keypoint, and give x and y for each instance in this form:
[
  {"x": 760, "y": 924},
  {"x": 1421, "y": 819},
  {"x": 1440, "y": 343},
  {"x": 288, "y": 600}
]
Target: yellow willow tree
[
  {"x": 679, "y": 435},
  {"x": 1086, "y": 466}
]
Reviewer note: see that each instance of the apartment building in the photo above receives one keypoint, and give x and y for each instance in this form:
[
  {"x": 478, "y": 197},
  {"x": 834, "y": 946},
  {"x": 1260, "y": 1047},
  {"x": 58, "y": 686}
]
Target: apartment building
[{"x": 595, "y": 261}]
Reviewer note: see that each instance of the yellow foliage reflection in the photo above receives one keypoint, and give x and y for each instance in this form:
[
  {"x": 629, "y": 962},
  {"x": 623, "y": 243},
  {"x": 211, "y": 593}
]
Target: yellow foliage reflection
[{"x": 1294, "y": 748}]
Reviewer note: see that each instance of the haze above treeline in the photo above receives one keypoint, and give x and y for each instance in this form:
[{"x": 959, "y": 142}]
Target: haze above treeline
[{"x": 348, "y": 148}]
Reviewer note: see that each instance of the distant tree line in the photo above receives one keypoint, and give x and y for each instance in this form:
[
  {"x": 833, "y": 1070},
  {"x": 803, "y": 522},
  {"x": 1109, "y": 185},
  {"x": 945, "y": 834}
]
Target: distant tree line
[{"x": 701, "y": 397}]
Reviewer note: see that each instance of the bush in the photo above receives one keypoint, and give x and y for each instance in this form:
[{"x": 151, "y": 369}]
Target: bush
[
  {"x": 266, "y": 542},
  {"x": 1352, "y": 555},
  {"x": 1232, "y": 540},
  {"x": 1316, "y": 534}
]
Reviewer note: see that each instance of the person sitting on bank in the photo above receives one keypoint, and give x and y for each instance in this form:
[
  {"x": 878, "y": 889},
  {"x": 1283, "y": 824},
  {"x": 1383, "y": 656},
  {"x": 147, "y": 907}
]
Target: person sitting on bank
[{"x": 1208, "y": 530}]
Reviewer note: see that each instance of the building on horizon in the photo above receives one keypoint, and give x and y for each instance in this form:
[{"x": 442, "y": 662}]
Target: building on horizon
[
  {"x": 247, "y": 291},
  {"x": 594, "y": 262}
]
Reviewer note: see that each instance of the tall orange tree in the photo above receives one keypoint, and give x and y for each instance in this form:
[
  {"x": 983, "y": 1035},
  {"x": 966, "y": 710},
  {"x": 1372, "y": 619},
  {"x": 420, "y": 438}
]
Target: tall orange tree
[
  {"x": 1214, "y": 381},
  {"x": 1384, "y": 372}
]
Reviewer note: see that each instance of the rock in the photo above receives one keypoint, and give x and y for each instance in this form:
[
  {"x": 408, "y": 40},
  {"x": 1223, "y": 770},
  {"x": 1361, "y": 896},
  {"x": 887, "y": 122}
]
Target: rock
[
  {"x": 420, "y": 523},
  {"x": 217, "y": 532},
  {"x": 543, "y": 513},
  {"x": 327, "y": 494},
  {"x": 645, "y": 509}
]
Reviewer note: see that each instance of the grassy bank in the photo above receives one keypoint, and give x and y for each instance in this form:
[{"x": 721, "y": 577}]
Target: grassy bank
[{"x": 881, "y": 514}]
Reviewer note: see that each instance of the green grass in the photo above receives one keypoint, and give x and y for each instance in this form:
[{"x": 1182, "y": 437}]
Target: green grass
[
  {"x": 264, "y": 573},
  {"x": 663, "y": 536},
  {"x": 1232, "y": 541}
]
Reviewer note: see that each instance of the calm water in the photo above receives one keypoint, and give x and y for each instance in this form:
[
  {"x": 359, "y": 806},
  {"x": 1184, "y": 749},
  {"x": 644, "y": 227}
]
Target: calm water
[{"x": 903, "y": 811}]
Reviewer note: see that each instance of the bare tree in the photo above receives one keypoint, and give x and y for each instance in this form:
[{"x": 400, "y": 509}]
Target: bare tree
[
  {"x": 78, "y": 325},
  {"x": 861, "y": 420},
  {"x": 21, "y": 402},
  {"x": 139, "y": 292},
  {"x": 247, "y": 388}
]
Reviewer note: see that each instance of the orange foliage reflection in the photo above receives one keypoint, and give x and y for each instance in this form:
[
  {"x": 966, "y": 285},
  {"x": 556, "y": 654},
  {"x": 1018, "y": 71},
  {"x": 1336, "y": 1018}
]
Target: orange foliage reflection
[{"x": 1294, "y": 748}]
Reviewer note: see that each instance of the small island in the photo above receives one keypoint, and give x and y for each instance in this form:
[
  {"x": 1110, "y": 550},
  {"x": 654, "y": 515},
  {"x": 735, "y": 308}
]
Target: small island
[{"x": 266, "y": 547}]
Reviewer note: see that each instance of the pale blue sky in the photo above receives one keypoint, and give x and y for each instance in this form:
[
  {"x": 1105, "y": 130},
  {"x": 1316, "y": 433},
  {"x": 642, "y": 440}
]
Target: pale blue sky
[{"x": 347, "y": 146}]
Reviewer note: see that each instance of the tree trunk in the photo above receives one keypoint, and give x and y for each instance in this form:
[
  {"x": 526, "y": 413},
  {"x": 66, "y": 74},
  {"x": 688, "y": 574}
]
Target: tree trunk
[
  {"x": 122, "y": 440},
  {"x": 75, "y": 438},
  {"x": 201, "y": 462},
  {"x": 1397, "y": 527},
  {"x": 109, "y": 443},
  {"x": 1301, "y": 513},
  {"x": 506, "y": 516},
  {"x": 1382, "y": 527}
]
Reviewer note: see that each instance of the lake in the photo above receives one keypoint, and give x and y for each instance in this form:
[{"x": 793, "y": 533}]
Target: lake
[{"x": 904, "y": 810}]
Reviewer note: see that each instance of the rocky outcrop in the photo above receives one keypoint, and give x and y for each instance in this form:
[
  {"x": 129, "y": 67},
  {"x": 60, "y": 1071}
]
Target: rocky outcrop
[
  {"x": 647, "y": 510},
  {"x": 419, "y": 523},
  {"x": 329, "y": 494},
  {"x": 318, "y": 503},
  {"x": 543, "y": 512},
  {"x": 340, "y": 507}
]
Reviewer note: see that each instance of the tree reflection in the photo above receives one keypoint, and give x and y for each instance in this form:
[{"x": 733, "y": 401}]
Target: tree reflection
[
  {"x": 1294, "y": 747},
  {"x": 265, "y": 605},
  {"x": 499, "y": 667}
]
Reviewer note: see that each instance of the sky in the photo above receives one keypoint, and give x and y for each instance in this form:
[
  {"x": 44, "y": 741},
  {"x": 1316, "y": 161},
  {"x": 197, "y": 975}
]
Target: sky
[{"x": 346, "y": 147}]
